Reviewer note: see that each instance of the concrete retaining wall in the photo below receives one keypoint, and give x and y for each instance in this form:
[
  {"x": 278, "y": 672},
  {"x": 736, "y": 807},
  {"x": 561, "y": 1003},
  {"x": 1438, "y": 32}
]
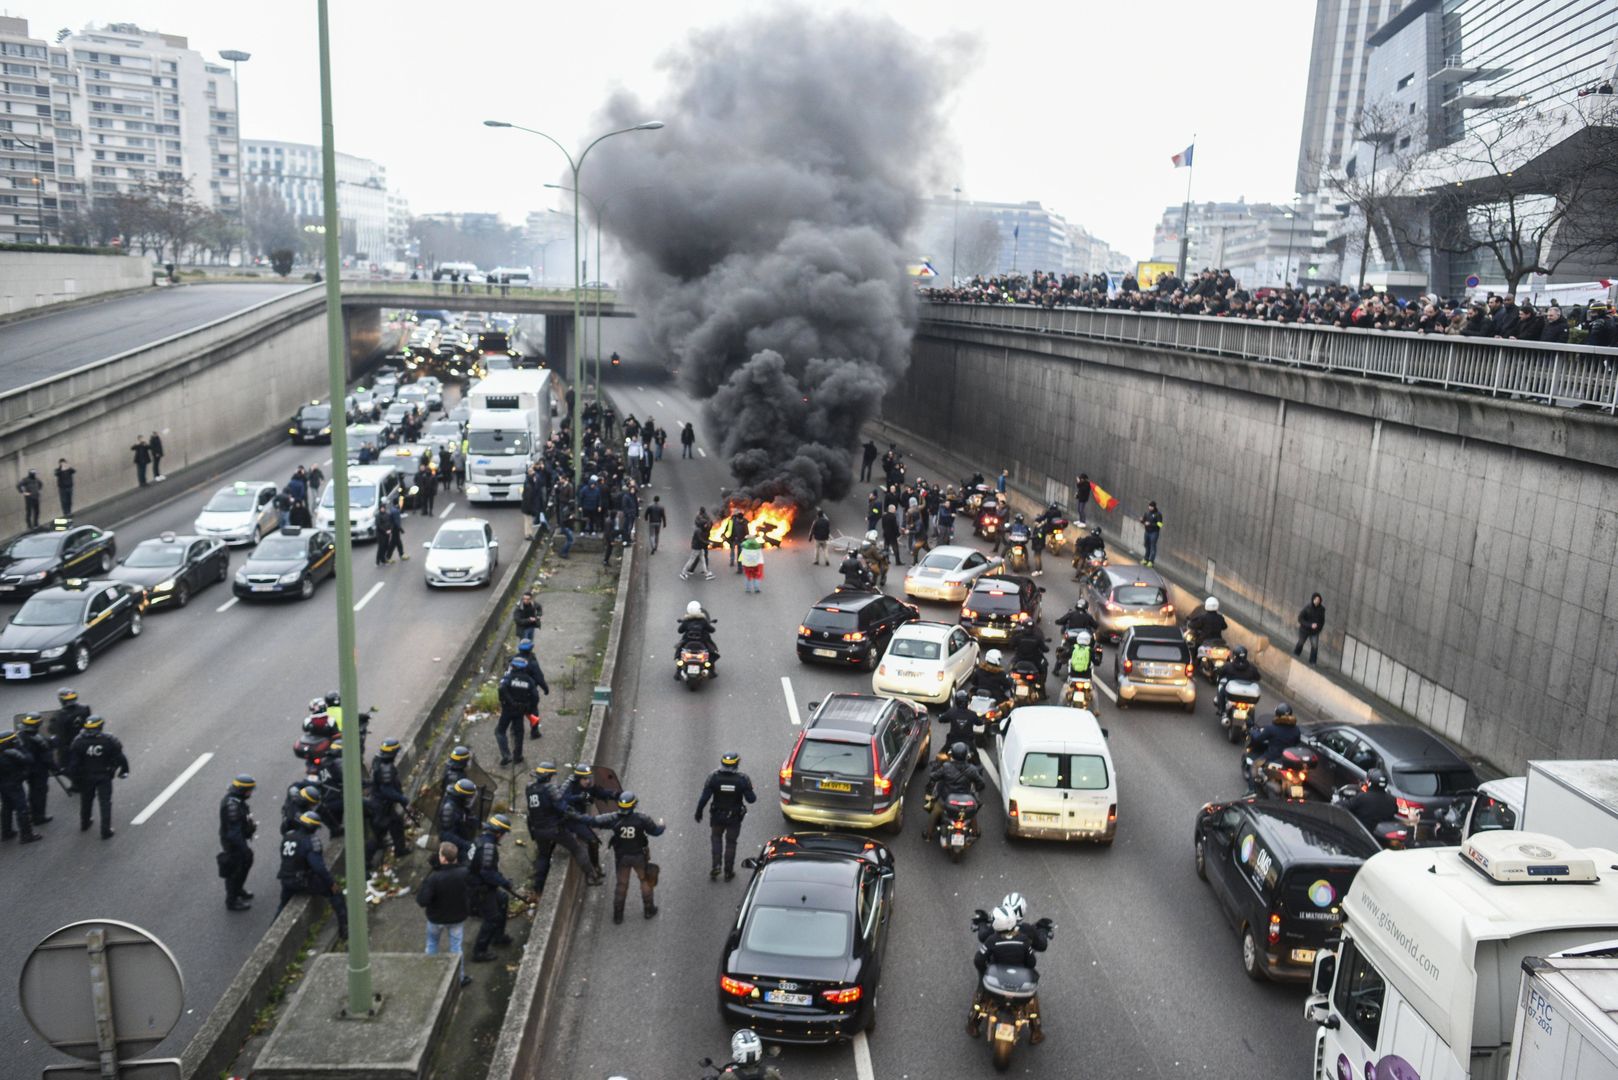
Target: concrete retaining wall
[
  {"x": 1464, "y": 545},
  {"x": 31, "y": 280}
]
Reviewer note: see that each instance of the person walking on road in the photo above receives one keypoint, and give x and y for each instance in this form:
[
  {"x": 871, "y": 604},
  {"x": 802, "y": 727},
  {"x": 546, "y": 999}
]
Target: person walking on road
[
  {"x": 31, "y": 489},
  {"x": 445, "y": 897},
  {"x": 1310, "y": 620},
  {"x": 155, "y": 444},
  {"x": 751, "y": 561},
  {"x": 656, "y": 518},
  {"x": 688, "y": 439},
  {"x": 42, "y": 753},
  {"x": 92, "y": 761},
  {"x": 528, "y": 615},
  {"x": 64, "y": 485},
  {"x": 730, "y": 790},
  {"x": 1152, "y": 523},
  {"x": 396, "y": 519},
  {"x": 700, "y": 543},
  {"x": 631, "y": 848},
  {"x": 384, "y": 537},
  {"x": 868, "y": 459},
  {"x": 820, "y": 533},
  {"x": 143, "y": 458},
  {"x": 236, "y": 829}
]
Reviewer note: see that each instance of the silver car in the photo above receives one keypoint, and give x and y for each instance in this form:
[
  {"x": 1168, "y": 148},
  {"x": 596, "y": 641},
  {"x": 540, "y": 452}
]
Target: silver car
[
  {"x": 948, "y": 573},
  {"x": 1126, "y": 596},
  {"x": 239, "y": 513},
  {"x": 464, "y": 554}
]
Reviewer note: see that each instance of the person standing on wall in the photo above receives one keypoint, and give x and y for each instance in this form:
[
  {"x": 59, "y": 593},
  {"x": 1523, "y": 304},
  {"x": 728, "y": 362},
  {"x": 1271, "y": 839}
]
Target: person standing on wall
[
  {"x": 64, "y": 485},
  {"x": 1152, "y": 523},
  {"x": 143, "y": 458},
  {"x": 155, "y": 444},
  {"x": 30, "y": 488},
  {"x": 1081, "y": 497},
  {"x": 1310, "y": 620}
]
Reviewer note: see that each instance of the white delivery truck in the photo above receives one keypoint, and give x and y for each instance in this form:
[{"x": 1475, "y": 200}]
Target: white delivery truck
[
  {"x": 1567, "y": 1017},
  {"x": 1575, "y": 800},
  {"x": 510, "y": 421},
  {"x": 1424, "y": 983}
]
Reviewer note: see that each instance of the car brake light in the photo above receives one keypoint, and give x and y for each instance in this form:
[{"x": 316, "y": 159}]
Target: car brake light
[
  {"x": 1275, "y": 929},
  {"x": 842, "y": 997},
  {"x": 735, "y": 987},
  {"x": 1168, "y": 609},
  {"x": 1112, "y": 814},
  {"x": 1406, "y": 806},
  {"x": 786, "y": 768},
  {"x": 858, "y": 635},
  {"x": 1129, "y": 666},
  {"x": 1114, "y": 606},
  {"x": 882, "y": 784},
  {"x": 968, "y": 613},
  {"x": 1190, "y": 671},
  {"x": 1012, "y": 809},
  {"x": 882, "y": 669}
]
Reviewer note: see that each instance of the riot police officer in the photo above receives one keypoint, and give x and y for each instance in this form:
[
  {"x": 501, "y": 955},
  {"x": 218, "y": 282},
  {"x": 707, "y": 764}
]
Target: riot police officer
[
  {"x": 580, "y": 793},
  {"x": 331, "y": 788},
  {"x": 302, "y": 796},
  {"x": 457, "y": 815},
  {"x": 236, "y": 829},
  {"x": 94, "y": 758},
  {"x": 455, "y": 767},
  {"x": 631, "y": 848},
  {"x": 519, "y": 699},
  {"x": 303, "y": 869},
  {"x": 489, "y": 888},
  {"x": 67, "y": 723},
  {"x": 43, "y": 755},
  {"x": 391, "y": 802},
  {"x": 549, "y": 819},
  {"x": 14, "y": 766},
  {"x": 730, "y": 790}
]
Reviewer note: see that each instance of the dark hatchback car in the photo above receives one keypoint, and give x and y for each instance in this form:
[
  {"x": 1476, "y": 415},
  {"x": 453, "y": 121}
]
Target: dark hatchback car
[
  {"x": 172, "y": 569},
  {"x": 852, "y": 761},
  {"x": 1279, "y": 872},
  {"x": 311, "y": 424},
  {"x": 37, "y": 560},
  {"x": 804, "y": 956},
  {"x": 851, "y": 628},
  {"x": 998, "y": 609},
  {"x": 59, "y": 629},
  {"x": 1425, "y": 774},
  {"x": 290, "y": 562}
]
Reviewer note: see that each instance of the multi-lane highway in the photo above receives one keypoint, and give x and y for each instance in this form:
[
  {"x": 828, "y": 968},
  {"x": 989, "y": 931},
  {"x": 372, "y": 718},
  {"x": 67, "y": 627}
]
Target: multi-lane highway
[
  {"x": 45, "y": 345},
  {"x": 1143, "y": 978},
  {"x": 203, "y": 694}
]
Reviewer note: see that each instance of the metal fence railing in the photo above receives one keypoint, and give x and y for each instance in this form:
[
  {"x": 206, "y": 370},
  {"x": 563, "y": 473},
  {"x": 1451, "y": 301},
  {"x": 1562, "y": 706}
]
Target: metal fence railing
[
  {"x": 1571, "y": 376},
  {"x": 423, "y": 290}
]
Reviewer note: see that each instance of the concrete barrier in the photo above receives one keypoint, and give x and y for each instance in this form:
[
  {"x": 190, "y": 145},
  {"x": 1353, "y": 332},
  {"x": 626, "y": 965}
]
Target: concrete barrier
[{"x": 30, "y": 280}]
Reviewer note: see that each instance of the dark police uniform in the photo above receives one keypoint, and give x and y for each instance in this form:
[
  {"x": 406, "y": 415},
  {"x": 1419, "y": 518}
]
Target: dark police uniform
[
  {"x": 14, "y": 767},
  {"x": 456, "y": 822},
  {"x": 549, "y": 823},
  {"x": 331, "y": 792},
  {"x": 488, "y": 887},
  {"x": 66, "y": 723},
  {"x": 519, "y": 698},
  {"x": 631, "y": 848},
  {"x": 730, "y": 790},
  {"x": 295, "y": 804},
  {"x": 43, "y": 756},
  {"x": 390, "y": 802},
  {"x": 303, "y": 870},
  {"x": 236, "y": 828},
  {"x": 95, "y": 757},
  {"x": 580, "y": 801}
]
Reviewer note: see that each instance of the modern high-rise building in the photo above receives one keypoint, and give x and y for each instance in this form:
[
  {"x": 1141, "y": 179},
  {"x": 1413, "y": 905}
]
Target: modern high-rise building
[
  {"x": 39, "y": 177},
  {"x": 1338, "y": 58},
  {"x": 292, "y": 171}
]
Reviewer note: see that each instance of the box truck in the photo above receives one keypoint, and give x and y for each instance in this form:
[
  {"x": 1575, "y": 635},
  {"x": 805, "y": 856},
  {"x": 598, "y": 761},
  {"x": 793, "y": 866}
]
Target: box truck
[
  {"x": 1574, "y": 800},
  {"x": 1567, "y": 1017},
  {"x": 510, "y": 421}
]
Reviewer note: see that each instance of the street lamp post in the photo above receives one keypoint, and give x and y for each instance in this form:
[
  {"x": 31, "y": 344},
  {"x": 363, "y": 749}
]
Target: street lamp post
[
  {"x": 954, "y": 234},
  {"x": 577, "y": 378},
  {"x": 1292, "y": 232},
  {"x": 597, "y": 289},
  {"x": 236, "y": 58}
]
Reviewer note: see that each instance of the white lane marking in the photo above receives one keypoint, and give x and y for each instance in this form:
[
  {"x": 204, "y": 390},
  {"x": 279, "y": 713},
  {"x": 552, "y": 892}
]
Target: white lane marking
[
  {"x": 326, "y": 464},
  {"x": 168, "y": 793},
  {"x": 228, "y": 604},
  {"x": 445, "y": 514},
  {"x": 862, "y": 1058},
  {"x": 988, "y": 767},
  {"x": 1112, "y": 695},
  {"x": 792, "y": 705},
  {"x": 642, "y": 389},
  {"x": 372, "y": 591},
  {"x": 659, "y": 404},
  {"x": 702, "y": 452}
]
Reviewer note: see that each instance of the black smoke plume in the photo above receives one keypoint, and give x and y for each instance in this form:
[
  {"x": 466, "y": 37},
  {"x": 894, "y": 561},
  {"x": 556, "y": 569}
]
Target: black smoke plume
[{"x": 765, "y": 229}]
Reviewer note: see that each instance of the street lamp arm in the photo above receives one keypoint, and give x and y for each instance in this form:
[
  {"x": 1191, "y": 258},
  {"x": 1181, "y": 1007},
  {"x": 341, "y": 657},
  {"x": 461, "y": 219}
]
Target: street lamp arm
[
  {"x": 532, "y": 131},
  {"x": 650, "y": 125}
]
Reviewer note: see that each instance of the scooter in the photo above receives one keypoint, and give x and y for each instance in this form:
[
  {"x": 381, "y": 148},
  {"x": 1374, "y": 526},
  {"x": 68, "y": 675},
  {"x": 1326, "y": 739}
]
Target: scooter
[
  {"x": 1212, "y": 656},
  {"x": 318, "y": 733},
  {"x": 1241, "y": 705},
  {"x": 958, "y": 828},
  {"x": 1077, "y": 692},
  {"x": 1056, "y": 535},
  {"x": 1284, "y": 779},
  {"x": 1007, "y": 1007},
  {"x": 694, "y": 667},
  {"x": 1392, "y": 835},
  {"x": 989, "y": 713},
  {"x": 1087, "y": 567},
  {"x": 1017, "y": 553},
  {"x": 1027, "y": 682}
]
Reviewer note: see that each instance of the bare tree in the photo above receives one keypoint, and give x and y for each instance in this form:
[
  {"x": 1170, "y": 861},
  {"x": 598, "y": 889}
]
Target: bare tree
[
  {"x": 978, "y": 249},
  {"x": 270, "y": 226},
  {"x": 1530, "y": 191},
  {"x": 1380, "y": 194}
]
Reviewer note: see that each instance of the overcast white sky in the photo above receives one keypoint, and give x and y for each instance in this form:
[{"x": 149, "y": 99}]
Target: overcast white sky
[{"x": 1076, "y": 103}]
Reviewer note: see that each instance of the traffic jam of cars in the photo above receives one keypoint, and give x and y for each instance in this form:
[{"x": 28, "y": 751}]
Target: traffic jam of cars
[{"x": 77, "y": 597}]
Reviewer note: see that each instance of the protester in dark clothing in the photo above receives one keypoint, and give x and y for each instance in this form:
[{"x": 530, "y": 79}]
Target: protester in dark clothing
[
  {"x": 30, "y": 488},
  {"x": 64, "y": 479},
  {"x": 155, "y": 445},
  {"x": 1310, "y": 620},
  {"x": 1555, "y": 329},
  {"x": 688, "y": 439},
  {"x": 869, "y": 459},
  {"x": 143, "y": 458},
  {"x": 1081, "y": 496}
]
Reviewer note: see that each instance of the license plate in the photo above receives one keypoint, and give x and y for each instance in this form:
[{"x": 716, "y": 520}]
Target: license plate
[
  {"x": 989, "y": 631},
  {"x": 781, "y": 997},
  {"x": 693, "y": 669},
  {"x": 957, "y": 840},
  {"x": 19, "y": 671},
  {"x": 1005, "y": 1033},
  {"x": 909, "y": 674},
  {"x": 834, "y": 785},
  {"x": 8, "y": 588},
  {"x": 1042, "y": 818},
  {"x": 263, "y": 588},
  {"x": 1303, "y": 956},
  {"x": 826, "y": 652},
  {"x": 1295, "y": 791}
]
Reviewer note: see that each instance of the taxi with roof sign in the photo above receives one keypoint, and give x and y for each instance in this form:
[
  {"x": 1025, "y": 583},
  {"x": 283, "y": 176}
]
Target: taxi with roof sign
[
  {"x": 239, "y": 513},
  {"x": 38, "y": 559},
  {"x": 290, "y": 562},
  {"x": 60, "y": 628}
]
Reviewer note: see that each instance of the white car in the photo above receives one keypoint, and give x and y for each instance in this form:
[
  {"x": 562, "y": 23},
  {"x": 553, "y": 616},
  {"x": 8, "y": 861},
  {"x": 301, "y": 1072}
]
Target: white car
[
  {"x": 463, "y": 554},
  {"x": 443, "y": 433},
  {"x": 948, "y": 573},
  {"x": 1057, "y": 781},
  {"x": 413, "y": 394},
  {"x": 239, "y": 513},
  {"x": 925, "y": 661}
]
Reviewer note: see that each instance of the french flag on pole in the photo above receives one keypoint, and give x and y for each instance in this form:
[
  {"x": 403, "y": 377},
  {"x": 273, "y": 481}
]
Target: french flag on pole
[{"x": 1183, "y": 158}]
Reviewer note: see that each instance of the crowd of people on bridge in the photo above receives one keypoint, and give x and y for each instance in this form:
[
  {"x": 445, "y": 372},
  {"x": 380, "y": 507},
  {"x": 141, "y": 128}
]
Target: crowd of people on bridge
[{"x": 1218, "y": 294}]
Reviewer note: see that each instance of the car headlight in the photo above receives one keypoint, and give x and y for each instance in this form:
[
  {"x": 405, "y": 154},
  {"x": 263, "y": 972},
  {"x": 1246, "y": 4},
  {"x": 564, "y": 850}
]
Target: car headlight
[
  {"x": 325, "y": 431},
  {"x": 291, "y": 577},
  {"x": 241, "y": 576},
  {"x": 292, "y": 431},
  {"x": 37, "y": 575},
  {"x": 471, "y": 489},
  {"x": 52, "y": 654},
  {"x": 163, "y": 586}
]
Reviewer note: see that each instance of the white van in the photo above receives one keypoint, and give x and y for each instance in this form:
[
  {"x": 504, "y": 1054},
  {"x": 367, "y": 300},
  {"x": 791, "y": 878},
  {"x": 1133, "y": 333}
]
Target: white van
[
  {"x": 1057, "y": 781},
  {"x": 368, "y": 487}
]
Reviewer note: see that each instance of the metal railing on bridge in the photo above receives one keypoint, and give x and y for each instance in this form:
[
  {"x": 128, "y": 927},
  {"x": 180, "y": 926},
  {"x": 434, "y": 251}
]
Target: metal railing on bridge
[
  {"x": 479, "y": 290},
  {"x": 1565, "y": 375}
]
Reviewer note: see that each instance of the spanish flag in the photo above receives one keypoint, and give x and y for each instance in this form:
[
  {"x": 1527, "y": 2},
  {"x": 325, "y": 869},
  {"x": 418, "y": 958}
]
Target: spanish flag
[{"x": 1104, "y": 499}]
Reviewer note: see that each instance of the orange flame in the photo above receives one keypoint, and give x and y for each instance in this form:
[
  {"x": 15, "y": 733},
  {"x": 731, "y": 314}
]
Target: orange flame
[{"x": 775, "y": 517}]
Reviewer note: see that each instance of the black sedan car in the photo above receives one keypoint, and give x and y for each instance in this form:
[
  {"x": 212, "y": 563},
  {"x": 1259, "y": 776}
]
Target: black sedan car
[
  {"x": 999, "y": 609},
  {"x": 289, "y": 562},
  {"x": 60, "y": 628},
  {"x": 36, "y": 560},
  {"x": 803, "y": 959},
  {"x": 852, "y": 628},
  {"x": 311, "y": 424},
  {"x": 1424, "y": 772},
  {"x": 172, "y": 569}
]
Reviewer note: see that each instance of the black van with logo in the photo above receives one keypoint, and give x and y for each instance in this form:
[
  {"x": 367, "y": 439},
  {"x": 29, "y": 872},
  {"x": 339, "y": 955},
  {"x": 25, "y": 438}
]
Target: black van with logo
[{"x": 1279, "y": 872}]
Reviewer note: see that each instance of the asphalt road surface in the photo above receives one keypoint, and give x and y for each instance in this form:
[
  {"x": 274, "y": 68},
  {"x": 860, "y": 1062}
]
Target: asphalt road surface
[
  {"x": 1143, "y": 978},
  {"x": 46, "y": 345},
  {"x": 204, "y": 693}
]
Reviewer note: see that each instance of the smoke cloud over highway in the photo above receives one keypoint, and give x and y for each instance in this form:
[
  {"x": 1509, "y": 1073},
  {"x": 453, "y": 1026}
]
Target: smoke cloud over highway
[{"x": 764, "y": 228}]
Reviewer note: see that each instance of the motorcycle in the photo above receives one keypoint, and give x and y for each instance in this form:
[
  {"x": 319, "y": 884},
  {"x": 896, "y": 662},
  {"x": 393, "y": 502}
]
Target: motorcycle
[
  {"x": 1007, "y": 1009},
  {"x": 1027, "y": 682},
  {"x": 988, "y": 524},
  {"x": 989, "y": 713},
  {"x": 1241, "y": 705},
  {"x": 958, "y": 829},
  {"x": 695, "y": 665},
  {"x": 1212, "y": 656},
  {"x": 318, "y": 733},
  {"x": 1088, "y": 566},
  {"x": 1056, "y": 533},
  {"x": 1064, "y": 648},
  {"x": 1287, "y": 778},
  {"x": 1077, "y": 692}
]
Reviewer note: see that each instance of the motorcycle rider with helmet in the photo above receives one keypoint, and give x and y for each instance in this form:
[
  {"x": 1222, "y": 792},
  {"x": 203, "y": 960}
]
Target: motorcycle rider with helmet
[
  {"x": 1018, "y": 532},
  {"x": 959, "y": 720},
  {"x": 989, "y": 677},
  {"x": 697, "y": 628},
  {"x": 1081, "y": 659},
  {"x": 1090, "y": 546},
  {"x": 1030, "y": 648},
  {"x": 1005, "y": 939},
  {"x": 875, "y": 558},
  {"x": 957, "y": 776},
  {"x": 1374, "y": 804},
  {"x": 1207, "y": 624},
  {"x": 1267, "y": 743},
  {"x": 1239, "y": 668},
  {"x": 747, "y": 1059}
]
